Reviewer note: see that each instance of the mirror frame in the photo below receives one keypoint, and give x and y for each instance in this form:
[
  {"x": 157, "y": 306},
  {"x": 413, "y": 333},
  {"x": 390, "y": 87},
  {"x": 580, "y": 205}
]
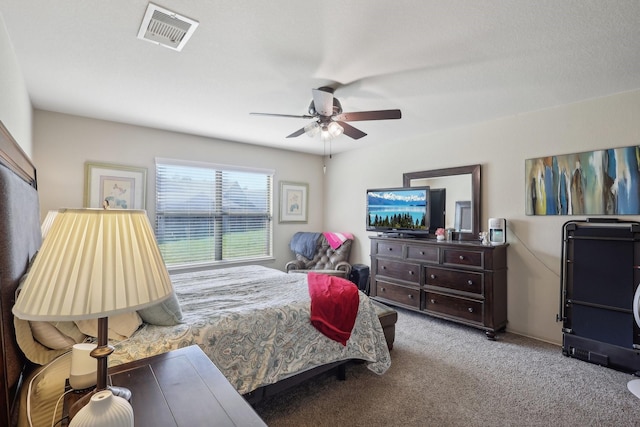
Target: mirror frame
[{"x": 474, "y": 171}]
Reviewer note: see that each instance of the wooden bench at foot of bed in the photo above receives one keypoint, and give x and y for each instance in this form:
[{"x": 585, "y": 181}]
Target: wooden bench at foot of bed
[{"x": 388, "y": 318}]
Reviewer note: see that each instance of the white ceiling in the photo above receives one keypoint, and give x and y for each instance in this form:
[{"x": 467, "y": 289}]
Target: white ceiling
[{"x": 443, "y": 63}]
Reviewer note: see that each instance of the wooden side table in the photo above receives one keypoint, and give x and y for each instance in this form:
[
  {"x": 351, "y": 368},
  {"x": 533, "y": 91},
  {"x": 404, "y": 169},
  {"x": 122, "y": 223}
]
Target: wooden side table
[{"x": 179, "y": 388}]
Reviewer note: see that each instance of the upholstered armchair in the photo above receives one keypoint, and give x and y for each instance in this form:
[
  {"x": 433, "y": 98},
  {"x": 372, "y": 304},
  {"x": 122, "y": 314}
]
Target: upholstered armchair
[{"x": 326, "y": 253}]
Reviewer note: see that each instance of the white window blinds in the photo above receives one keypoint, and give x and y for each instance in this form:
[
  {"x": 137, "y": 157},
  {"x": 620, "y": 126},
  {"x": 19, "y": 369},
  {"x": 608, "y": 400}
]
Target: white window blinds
[{"x": 207, "y": 213}]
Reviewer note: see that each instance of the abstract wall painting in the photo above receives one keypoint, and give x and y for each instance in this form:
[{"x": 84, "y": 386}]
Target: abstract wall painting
[{"x": 601, "y": 182}]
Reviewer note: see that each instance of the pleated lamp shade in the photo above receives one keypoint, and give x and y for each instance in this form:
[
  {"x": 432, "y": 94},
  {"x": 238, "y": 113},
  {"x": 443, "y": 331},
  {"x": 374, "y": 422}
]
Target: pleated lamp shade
[{"x": 94, "y": 263}]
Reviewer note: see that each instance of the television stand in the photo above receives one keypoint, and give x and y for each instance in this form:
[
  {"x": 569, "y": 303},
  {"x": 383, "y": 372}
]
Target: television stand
[{"x": 461, "y": 281}]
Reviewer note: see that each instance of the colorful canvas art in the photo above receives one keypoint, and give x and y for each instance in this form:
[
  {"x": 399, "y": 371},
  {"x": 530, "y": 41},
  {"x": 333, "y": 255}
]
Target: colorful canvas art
[{"x": 602, "y": 182}]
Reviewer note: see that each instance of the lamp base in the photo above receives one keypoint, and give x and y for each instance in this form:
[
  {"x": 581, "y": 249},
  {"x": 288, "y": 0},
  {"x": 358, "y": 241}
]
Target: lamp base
[
  {"x": 123, "y": 392},
  {"x": 100, "y": 353},
  {"x": 104, "y": 410}
]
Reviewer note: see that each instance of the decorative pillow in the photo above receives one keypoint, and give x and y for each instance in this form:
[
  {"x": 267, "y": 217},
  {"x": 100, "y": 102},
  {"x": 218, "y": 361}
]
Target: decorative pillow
[
  {"x": 121, "y": 326},
  {"x": 165, "y": 313},
  {"x": 56, "y": 335}
]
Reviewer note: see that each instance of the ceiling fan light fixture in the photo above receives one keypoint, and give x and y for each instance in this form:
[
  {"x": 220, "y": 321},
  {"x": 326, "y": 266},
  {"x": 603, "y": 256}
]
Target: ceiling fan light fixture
[
  {"x": 334, "y": 129},
  {"x": 330, "y": 121}
]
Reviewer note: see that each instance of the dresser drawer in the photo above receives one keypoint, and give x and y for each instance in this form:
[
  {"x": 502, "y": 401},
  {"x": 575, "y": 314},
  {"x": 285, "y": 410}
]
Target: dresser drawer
[
  {"x": 457, "y": 307},
  {"x": 399, "y": 294},
  {"x": 399, "y": 270},
  {"x": 452, "y": 279},
  {"x": 392, "y": 249},
  {"x": 422, "y": 253},
  {"x": 463, "y": 257}
]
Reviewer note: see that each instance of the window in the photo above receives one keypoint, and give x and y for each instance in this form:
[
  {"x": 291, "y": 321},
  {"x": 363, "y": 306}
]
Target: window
[{"x": 207, "y": 213}]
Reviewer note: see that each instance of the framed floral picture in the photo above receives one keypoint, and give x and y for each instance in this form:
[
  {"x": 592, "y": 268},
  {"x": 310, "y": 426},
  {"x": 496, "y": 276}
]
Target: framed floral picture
[
  {"x": 114, "y": 186},
  {"x": 293, "y": 201}
]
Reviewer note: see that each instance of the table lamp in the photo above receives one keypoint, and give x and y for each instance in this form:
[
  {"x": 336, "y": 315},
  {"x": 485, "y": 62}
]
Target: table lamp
[{"x": 95, "y": 263}]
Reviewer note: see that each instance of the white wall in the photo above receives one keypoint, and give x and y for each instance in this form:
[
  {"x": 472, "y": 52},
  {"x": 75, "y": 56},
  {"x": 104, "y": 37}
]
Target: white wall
[
  {"x": 15, "y": 106},
  {"x": 501, "y": 147},
  {"x": 63, "y": 143}
]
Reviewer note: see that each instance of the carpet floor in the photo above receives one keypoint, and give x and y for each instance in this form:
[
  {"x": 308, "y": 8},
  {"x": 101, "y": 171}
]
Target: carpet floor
[{"x": 444, "y": 374}]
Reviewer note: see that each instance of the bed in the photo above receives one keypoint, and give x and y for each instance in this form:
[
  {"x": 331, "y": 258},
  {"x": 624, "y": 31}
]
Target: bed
[{"x": 253, "y": 321}]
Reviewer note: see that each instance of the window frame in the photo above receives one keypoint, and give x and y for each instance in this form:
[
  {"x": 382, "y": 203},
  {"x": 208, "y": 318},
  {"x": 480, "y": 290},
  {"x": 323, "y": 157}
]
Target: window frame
[{"x": 217, "y": 215}]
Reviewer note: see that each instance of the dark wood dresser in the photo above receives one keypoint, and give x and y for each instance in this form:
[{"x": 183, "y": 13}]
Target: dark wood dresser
[{"x": 462, "y": 281}]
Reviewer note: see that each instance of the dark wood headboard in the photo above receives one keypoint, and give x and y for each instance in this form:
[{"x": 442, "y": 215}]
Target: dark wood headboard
[{"x": 20, "y": 238}]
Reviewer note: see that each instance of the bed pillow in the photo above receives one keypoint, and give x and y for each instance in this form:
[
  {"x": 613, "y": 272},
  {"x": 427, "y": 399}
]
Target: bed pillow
[
  {"x": 56, "y": 335},
  {"x": 32, "y": 349},
  {"x": 165, "y": 313},
  {"x": 42, "y": 342},
  {"x": 121, "y": 326}
]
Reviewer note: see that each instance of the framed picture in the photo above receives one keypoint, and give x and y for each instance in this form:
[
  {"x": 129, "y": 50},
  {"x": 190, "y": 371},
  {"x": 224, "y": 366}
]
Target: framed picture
[
  {"x": 293, "y": 201},
  {"x": 118, "y": 186}
]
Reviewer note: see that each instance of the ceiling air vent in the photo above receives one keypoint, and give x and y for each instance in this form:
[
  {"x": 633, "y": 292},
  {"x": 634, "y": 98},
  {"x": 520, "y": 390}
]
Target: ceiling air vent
[{"x": 166, "y": 28}]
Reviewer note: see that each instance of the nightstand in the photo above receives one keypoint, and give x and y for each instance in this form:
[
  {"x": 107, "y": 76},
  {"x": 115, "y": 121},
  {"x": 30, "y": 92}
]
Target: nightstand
[{"x": 180, "y": 388}]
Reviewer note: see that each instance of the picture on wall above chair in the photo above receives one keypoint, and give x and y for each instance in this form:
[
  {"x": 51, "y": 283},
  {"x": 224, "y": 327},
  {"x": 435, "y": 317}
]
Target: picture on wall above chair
[
  {"x": 294, "y": 201},
  {"x": 600, "y": 182}
]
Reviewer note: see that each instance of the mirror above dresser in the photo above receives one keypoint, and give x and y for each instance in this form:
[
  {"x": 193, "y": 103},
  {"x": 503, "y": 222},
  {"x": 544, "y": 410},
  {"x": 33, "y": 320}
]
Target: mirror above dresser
[{"x": 462, "y": 193}]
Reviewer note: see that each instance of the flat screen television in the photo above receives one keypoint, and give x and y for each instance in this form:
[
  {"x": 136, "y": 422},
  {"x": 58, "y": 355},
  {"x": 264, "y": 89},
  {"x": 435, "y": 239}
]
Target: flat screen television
[{"x": 404, "y": 211}]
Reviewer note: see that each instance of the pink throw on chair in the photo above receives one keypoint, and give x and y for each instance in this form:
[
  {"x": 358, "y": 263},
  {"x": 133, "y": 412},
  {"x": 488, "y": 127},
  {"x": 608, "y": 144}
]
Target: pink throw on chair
[{"x": 337, "y": 239}]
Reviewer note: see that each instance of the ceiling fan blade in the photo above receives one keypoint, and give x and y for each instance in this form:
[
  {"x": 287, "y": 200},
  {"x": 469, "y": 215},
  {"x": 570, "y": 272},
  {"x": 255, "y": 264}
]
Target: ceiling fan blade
[
  {"x": 296, "y": 133},
  {"x": 369, "y": 115},
  {"x": 283, "y": 115},
  {"x": 351, "y": 131},
  {"x": 323, "y": 102}
]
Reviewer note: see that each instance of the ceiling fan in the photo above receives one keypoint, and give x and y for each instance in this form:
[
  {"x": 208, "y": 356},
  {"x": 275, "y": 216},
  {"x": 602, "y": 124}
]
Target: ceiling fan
[{"x": 329, "y": 120}]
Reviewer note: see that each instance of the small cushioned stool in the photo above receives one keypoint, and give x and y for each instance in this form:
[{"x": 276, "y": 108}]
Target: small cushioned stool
[{"x": 388, "y": 318}]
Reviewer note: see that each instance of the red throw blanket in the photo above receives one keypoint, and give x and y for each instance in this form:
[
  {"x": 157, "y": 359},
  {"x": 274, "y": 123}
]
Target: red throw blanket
[{"x": 334, "y": 305}]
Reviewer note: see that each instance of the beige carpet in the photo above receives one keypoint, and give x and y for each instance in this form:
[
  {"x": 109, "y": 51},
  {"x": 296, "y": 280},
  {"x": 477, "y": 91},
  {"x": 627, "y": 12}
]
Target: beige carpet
[{"x": 444, "y": 374}]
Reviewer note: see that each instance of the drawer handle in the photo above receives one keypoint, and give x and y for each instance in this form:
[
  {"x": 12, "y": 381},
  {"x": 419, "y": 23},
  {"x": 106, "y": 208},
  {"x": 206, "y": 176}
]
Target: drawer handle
[
  {"x": 383, "y": 289},
  {"x": 384, "y": 267},
  {"x": 390, "y": 249},
  {"x": 433, "y": 276},
  {"x": 461, "y": 257},
  {"x": 411, "y": 273},
  {"x": 421, "y": 252},
  {"x": 410, "y": 296},
  {"x": 470, "y": 309},
  {"x": 432, "y": 301},
  {"x": 469, "y": 282}
]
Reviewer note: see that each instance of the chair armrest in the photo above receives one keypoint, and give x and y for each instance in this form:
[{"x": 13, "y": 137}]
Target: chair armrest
[
  {"x": 344, "y": 266},
  {"x": 294, "y": 265}
]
